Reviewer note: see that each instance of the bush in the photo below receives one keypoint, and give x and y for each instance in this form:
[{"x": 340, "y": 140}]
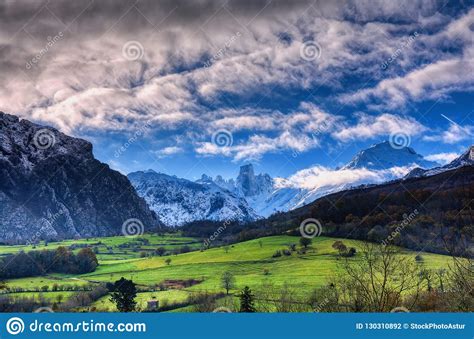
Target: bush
[{"x": 276, "y": 254}]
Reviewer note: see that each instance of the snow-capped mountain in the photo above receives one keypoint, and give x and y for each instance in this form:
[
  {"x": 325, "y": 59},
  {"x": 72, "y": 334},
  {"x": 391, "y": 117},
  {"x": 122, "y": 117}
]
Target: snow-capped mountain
[
  {"x": 379, "y": 163},
  {"x": 466, "y": 159},
  {"x": 178, "y": 201},
  {"x": 52, "y": 187},
  {"x": 383, "y": 156}
]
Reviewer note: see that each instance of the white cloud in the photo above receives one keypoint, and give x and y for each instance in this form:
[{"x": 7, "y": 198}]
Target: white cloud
[
  {"x": 168, "y": 151},
  {"x": 442, "y": 158},
  {"x": 368, "y": 127},
  {"x": 455, "y": 133},
  {"x": 258, "y": 145},
  {"x": 447, "y": 72},
  {"x": 320, "y": 177}
]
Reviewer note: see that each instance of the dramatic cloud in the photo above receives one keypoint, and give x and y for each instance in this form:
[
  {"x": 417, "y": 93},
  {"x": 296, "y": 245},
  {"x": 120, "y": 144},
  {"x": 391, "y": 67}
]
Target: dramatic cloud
[
  {"x": 369, "y": 127},
  {"x": 443, "y": 158},
  {"x": 272, "y": 73}
]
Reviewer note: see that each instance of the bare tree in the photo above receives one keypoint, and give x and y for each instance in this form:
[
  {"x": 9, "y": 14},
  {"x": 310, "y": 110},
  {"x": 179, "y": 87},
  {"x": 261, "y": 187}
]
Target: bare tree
[
  {"x": 228, "y": 281},
  {"x": 378, "y": 280}
]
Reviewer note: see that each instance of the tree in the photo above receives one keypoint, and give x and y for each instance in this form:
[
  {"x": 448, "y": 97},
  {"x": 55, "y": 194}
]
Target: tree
[
  {"x": 247, "y": 301},
  {"x": 378, "y": 281},
  {"x": 228, "y": 281},
  {"x": 168, "y": 261},
  {"x": 86, "y": 260},
  {"x": 124, "y": 294},
  {"x": 305, "y": 242},
  {"x": 160, "y": 251},
  {"x": 339, "y": 246}
]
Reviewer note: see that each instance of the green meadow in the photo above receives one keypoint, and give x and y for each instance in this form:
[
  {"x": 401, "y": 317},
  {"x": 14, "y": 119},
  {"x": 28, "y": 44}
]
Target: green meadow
[{"x": 251, "y": 262}]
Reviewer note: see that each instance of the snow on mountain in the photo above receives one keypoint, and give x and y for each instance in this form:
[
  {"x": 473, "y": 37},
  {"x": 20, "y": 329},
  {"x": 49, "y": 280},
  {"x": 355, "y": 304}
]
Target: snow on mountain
[
  {"x": 383, "y": 156},
  {"x": 377, "y": 164},
  {"x": 52, "y": 187},
  {"x": 250, "y": 196},
  {"x": 178, "y": 201},
  {"x": 466, "y": 159}
]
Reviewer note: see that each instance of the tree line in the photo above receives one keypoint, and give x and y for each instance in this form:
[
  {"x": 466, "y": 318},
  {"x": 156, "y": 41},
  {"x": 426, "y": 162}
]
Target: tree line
[{"x": 36, "y": 263}]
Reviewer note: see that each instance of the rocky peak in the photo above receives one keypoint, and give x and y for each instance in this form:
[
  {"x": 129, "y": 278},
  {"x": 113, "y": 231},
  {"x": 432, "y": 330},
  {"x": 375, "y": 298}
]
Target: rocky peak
[{"x": 383, "y": 156}]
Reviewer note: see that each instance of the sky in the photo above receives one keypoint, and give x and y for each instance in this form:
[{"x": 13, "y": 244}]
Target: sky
[{"x": 192, "y": 87}]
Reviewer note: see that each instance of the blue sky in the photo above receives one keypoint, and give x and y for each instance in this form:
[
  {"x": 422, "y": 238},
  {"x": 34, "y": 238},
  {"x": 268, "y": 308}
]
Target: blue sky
[{"x": 190, "y": 89}]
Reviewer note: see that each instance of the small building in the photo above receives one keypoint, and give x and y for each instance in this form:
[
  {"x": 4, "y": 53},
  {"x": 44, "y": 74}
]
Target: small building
[{"x": 152, "y": 305}]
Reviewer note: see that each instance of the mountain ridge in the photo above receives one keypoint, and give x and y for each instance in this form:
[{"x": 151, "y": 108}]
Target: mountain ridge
[{"x": 53, "y": 188}]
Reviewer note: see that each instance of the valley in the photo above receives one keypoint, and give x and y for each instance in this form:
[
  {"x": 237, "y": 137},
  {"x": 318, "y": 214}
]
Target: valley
[{"x": 251, "y": 262}]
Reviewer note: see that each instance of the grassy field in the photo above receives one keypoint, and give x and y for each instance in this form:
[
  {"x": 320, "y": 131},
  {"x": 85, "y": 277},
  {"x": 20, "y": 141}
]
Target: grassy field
[
  {"x": 114, "y": 248},
  {"x": 251, "y": 262}
]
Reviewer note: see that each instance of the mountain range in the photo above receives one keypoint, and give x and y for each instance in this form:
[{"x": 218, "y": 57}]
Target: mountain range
[
  {"x": 253, "y": 196},
  {"x": 52, "y": 187}
]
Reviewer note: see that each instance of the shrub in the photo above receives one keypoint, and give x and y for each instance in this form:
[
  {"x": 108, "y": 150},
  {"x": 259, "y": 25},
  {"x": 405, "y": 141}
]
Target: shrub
[{"x": 276, "y": 254}]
